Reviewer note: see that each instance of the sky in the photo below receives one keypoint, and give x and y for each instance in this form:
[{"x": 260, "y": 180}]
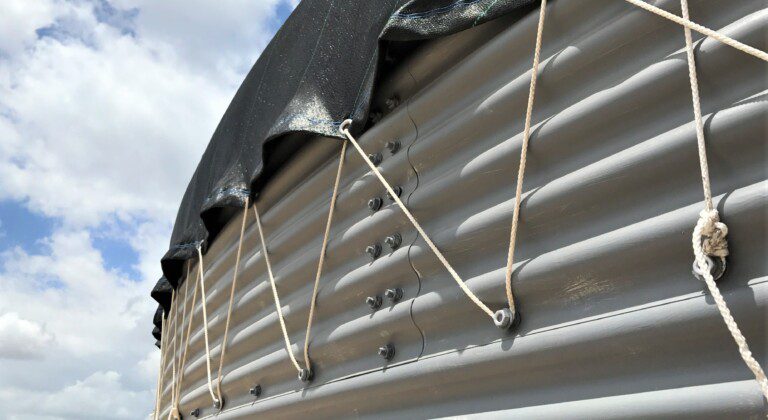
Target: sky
[{"x": 105, "y": 109}]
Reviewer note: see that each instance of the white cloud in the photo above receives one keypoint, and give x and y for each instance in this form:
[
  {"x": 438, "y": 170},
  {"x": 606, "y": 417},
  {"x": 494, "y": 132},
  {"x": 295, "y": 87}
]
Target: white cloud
[
  {"x": 99, "y": 396},
  {"x": 22, "y": 339},
  {"x": 105, "y": 109},
  {"x": 19, "y": 20}
]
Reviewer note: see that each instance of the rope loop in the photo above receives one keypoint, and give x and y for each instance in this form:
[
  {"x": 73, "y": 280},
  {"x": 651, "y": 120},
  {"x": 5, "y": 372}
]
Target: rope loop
[
  {"x": 201, "y": 272},
  {"x": 276, "y": 296},
  {"x": 709, "y": 234},
  {"x": 344, "y": 128},
  {"x": 235, "y": 271},
  {"x": 306, "y": 374},
  {"x": 712, "y": 233}
]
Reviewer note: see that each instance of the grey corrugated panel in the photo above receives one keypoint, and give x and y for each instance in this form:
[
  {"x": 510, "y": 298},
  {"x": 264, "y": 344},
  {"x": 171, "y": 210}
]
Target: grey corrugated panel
[
  {"x": 731, "y": 399},
  {"x": 611, "y": 313}
]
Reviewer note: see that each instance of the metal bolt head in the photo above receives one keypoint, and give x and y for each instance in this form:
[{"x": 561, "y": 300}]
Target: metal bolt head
[
  {"x": 217, "y": 404},
  {"x": 255, "y": 391},
  {"x": 393, "y": 146},
  {"x": 305, "y": 375},
  {"x": 394, "y": 294},
  {"x": 387, "y": 352},
  {"x": 716, "y": 267},
  {"x": 373, "y": 301},
  {"x": 373, "y": 251},
  {"x": 195, "y": 412},
  {"x": 398, "y": 190},
  {"x": 374, "y": 204},
  {"x": 375, "y": 158},
  {"x": 503, "y": 318},
  {"x": 392, "y": 102},
  {"x": 393, "y": 241}
]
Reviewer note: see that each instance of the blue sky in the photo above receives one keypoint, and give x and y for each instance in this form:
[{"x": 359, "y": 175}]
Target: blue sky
[{"x": 105, "y": 109}]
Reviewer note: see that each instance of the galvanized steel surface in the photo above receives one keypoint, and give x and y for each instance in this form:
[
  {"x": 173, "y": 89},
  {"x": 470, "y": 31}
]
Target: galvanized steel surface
[{"x": 614, "y": 325}]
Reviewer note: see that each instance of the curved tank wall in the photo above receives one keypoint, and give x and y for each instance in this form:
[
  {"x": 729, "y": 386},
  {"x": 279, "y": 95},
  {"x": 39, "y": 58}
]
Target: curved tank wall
[{"x": 613, "y": 323}]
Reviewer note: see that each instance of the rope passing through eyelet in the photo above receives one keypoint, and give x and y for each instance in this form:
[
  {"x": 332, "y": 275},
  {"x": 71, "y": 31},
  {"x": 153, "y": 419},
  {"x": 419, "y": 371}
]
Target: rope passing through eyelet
[
  {"x": 201, "y": 271},
  {"x": 275, "y": 294},
  {"x": 344, "y": 128},
  {"x": 708, "y": 238}
]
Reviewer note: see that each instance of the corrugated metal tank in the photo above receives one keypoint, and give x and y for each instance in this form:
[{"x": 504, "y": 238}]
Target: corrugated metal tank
[{"x": 613, "y": 323}]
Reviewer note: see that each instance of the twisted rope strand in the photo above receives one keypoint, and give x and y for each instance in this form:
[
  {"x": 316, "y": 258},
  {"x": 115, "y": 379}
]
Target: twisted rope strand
[
  {"x": 708, "y": 237},
  {"x": 323, "y": 248},
  {"x": 189, "y": 333},
  {"x": 701, "y": 29},
  {"x": 174, "y": 315},
  {"x": 276, "y": 297},
  {"x": 205, "y": 325},
  {"x": 231, "y": 298},
  {"x": 174, "y": 413},
  {"x": 523, "y": 158},
  {"x": 722, "y": 307},
  {"x": 697, "y": 111},
  {"x": 161, "y": 371},
  {"x": 344, "y": 128}
]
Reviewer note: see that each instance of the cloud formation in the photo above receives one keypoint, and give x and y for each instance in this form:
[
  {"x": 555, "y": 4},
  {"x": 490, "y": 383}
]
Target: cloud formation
[{"x": 105, "y": 109}]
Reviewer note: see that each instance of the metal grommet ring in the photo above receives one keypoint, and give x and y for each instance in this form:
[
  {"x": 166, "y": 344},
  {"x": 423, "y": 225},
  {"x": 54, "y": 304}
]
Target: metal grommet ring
[{"x": 716, "y": 267}]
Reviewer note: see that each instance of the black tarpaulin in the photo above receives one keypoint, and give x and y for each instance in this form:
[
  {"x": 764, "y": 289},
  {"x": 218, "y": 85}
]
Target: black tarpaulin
[{"x": 318, "y": 70}]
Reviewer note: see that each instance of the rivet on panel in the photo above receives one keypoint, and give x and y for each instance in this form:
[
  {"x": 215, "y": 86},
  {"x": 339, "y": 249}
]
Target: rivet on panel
[
  {"x": 375, "y": 158},
  {"x": 393, "y": 241},
  {"x": 394, "y": 294},
  {"x": 373, "y": 301},
  {"x": 195, "y": 412},
  {"x": 255, "y": 391},
  {"x": 387, "y": 352},
  {"x": 373, "y": 251},
  {"x": 374, "y": 204},
  {"x": 398, "y": 190},
  {"x": 392, "y": 102},
  {"x": 393, "y": 146}
]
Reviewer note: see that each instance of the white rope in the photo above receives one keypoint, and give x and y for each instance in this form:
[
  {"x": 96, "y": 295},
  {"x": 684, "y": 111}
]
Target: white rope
[
  {"x": 697, "y": 112},
  {"x": 176, "y": 389},
  {"x": 175, "y": 322},
  {"x": 231, "y": 299},
  {"x": 706, "y": 220},
  {"x": 278, "y": 307},
  {"x": 160, "y": 373},
  {"x": 709, "y": 234},
  {"x": 201, "y": 271},
  {"x": 186, "y": 340},
  {"x": 701, "y": 29},
  {"x": 344, "y": 128},
  {"x": 523, "y": 158},
  {"x": 323, "y": 247}
]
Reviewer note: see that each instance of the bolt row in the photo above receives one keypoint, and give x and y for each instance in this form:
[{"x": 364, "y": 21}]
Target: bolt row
[
  {"x": 255, "y": 391},
  {"x": 375, "y": 203},
  {"x": 393, "y": 295},
  {"x": 393, "y": 241}
]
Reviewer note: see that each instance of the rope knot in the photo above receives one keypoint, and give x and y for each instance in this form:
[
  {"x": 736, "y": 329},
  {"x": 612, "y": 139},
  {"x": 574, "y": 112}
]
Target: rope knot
[{"x": 712, "y": 234}]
